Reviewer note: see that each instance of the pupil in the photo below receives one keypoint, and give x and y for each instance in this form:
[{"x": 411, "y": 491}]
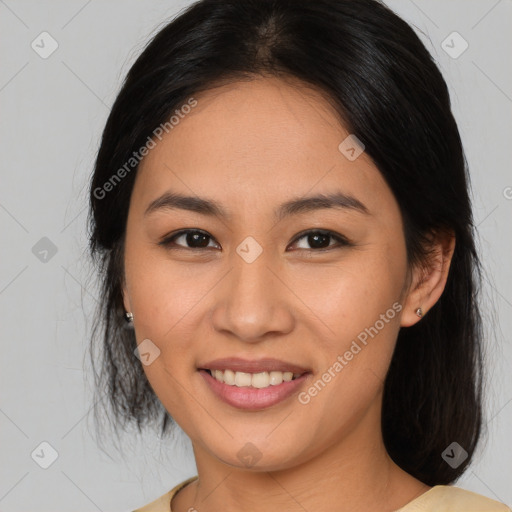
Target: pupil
[
  {"x": 315, "y": 243},
  {"x": 194, "y": 237}
]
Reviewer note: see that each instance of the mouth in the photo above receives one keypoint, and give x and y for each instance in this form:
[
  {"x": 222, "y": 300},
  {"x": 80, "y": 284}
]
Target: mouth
[
  {"x": 253, "y": 385},
  {"x": 259, "y": 380}
]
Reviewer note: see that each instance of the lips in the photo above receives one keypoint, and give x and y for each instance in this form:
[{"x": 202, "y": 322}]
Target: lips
[
  {"x": 253, "y": 366},
  {"x": 251, "y": 398}
]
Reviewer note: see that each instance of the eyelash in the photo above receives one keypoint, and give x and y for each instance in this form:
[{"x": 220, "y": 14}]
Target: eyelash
[{"x": 169, "y": 243}]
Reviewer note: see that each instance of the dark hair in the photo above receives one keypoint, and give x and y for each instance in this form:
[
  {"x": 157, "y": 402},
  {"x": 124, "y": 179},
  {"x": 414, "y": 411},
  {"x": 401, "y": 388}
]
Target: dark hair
[{"x": 388, "y": 91}]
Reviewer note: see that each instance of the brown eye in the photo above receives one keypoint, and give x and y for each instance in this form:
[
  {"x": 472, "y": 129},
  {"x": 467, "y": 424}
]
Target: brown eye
[
  {"x": 193, "y": 239},
  {"x": 319, "y": 240}
]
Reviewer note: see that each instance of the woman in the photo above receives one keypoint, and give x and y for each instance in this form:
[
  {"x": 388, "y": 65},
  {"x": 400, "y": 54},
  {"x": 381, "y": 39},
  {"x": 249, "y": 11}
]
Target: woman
[{"x": 280, "y": 212}]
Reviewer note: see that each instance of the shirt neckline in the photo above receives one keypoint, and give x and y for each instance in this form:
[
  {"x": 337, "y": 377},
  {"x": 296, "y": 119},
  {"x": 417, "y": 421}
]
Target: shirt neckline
[{"x": 414, "y": 503}]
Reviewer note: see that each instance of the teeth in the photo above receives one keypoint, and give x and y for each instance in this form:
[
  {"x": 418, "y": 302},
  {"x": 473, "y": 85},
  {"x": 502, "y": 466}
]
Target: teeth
[{"x": 255, "y": 380}]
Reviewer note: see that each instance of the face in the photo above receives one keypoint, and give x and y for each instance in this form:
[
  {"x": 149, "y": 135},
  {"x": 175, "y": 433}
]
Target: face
[{"x": 320, "y": 289}]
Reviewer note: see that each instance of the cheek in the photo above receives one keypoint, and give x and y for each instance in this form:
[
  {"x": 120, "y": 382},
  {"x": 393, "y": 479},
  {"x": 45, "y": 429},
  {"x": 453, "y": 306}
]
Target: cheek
[
  {"x": 164, "y": 296},
  {"x": 157, "y": 286},
  {"x": 166, "y": 300},
  {"x": 350, "y": 295},
  {"x": 357, "y": 315},
  {"x": 354, "y": 353}
]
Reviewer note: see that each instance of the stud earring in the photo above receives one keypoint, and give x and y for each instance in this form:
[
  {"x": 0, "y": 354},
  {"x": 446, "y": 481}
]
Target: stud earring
[
  {"x": 129, "y": 317},
  {"x": 419, "y": 312}
]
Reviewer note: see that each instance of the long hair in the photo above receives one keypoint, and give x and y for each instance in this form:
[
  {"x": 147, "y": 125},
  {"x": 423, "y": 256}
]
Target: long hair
[{"x": 388, "y": 91}]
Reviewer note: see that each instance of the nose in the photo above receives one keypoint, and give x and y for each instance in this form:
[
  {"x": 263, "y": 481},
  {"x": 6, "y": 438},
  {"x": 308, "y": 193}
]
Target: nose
[{"x": 252, "y": 303}]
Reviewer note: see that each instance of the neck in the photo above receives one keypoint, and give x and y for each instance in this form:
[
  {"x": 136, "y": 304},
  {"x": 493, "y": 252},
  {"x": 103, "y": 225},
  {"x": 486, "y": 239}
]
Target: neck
[{"x": 355, "y": 474}]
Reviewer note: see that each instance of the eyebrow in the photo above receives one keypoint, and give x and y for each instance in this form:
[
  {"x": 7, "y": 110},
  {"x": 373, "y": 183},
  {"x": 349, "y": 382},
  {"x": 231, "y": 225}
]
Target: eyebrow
[{"x": 210, "y": 207}]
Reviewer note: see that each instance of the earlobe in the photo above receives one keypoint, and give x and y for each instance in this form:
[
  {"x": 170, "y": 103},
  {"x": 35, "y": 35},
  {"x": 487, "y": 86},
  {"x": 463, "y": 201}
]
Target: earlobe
[
  {"x": 412, "y": 315},
  {"x": 429, "y": 279},
  {"x": 128, "y": 315}
]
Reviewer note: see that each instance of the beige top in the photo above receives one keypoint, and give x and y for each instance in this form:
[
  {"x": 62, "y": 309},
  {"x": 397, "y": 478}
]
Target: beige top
[{"x": 440, "y": 498}]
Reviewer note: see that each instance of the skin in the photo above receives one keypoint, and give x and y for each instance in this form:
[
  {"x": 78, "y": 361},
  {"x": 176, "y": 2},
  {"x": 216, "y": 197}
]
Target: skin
[{"x": 252, "y": 146}]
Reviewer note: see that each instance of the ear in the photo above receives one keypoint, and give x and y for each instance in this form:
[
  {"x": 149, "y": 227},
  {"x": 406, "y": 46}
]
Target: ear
[{"x": 429, "y": 278}]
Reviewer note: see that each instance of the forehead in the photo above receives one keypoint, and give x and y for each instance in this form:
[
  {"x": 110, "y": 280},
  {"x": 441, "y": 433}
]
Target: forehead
[
  {"x": 238, "y": 120},
  {"x": 257, "y": 141}
]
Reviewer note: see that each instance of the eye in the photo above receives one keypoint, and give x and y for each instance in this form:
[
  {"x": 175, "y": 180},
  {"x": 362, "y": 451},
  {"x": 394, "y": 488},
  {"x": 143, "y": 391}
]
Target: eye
[
  {"x": 319, "y": 240},
  {"x": 196, "y": 238}
]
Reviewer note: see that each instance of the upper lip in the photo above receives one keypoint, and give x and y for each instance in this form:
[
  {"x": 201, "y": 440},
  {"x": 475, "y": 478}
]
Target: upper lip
[{"x": 253, "y": 366}]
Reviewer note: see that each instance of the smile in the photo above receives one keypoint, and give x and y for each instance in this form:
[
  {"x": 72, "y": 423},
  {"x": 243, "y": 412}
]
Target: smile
[{"x": 253, "y": 391}]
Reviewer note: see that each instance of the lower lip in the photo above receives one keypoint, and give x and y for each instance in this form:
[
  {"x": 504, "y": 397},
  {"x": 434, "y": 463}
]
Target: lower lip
[{"x": 253, "y": 398}]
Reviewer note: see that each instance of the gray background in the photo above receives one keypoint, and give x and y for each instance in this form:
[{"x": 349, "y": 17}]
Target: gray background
[{"x": 52, "y": 113}]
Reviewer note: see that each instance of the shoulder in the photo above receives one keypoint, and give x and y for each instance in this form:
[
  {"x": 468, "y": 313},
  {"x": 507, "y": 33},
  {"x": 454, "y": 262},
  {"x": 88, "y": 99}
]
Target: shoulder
[
  {"x": 440, "y": 498},
  {"x": 163, "y": 503},
  {"x": 444, "y": 498}
]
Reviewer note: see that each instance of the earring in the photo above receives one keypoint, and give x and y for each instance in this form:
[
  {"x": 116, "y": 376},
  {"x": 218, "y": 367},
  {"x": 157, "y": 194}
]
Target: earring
[
  {"x": 129, "y": 317},
  {"x": 419, "y": 312}
]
